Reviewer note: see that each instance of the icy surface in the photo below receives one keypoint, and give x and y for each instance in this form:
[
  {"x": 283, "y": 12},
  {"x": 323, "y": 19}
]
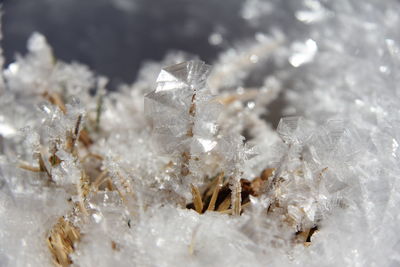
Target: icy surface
[{"x": 182, "y": 168}]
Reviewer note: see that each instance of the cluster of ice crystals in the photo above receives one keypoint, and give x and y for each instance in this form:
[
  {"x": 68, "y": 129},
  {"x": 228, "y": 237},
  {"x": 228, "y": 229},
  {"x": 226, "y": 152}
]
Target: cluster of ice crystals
[
  {"x": 182, "y": 111},
  {"x": 105, "y": 178},
  {"x": 184, "y": 116}
]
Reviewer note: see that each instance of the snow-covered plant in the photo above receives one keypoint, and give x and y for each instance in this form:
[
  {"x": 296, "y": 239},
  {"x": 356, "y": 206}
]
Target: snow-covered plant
[
  {"x": 151, "y": 174},
  {"x": 184, "y": 117}
]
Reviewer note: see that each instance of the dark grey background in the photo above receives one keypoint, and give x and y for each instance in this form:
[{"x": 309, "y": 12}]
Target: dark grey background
[{"x": 114, "y": 37}]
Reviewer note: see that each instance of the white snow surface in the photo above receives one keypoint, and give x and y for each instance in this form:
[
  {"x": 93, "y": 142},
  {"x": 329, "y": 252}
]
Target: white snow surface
[{"x": 335, "y": 68}]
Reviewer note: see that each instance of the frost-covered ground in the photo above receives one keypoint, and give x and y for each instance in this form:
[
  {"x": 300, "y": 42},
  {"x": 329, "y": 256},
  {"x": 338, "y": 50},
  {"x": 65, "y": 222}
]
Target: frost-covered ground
[{"x": 181, "y": 168}]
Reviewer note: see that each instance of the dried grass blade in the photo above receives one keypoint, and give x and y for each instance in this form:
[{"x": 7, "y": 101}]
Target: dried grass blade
[
  {"x": 198, "y": 203},
  {"x": 225, "y": 204},
  {"x": 211, "y": 205}
]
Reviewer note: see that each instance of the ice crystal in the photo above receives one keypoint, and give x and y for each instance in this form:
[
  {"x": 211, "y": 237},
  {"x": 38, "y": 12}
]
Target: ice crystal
[
  {"x": 151, "y": 174},
  {"x": 182, "y": 111},
  {"x": 184, "y": 115}
]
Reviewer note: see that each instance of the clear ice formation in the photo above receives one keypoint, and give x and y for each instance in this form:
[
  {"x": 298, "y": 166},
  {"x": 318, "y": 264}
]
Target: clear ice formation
[
  {"x": 111, "y": 178},
  {"x": 182, "y": 110},
  {"x": 184, "y": 115}
]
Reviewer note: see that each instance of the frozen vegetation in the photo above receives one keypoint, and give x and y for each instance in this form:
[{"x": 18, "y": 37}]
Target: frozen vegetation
[{"x": 182, "y": 168}]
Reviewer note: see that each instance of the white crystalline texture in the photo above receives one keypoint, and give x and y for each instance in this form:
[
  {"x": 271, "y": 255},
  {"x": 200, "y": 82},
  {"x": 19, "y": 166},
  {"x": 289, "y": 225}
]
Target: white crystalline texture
[
  {"x": 192, "y": 73},
  {"x": 32, "y": 70},
  {"x": 303, "y": 52},
  {"x": 110, "y": 178},
  {"x": 182, "y": 110},
  {"x": 293, "y": 130}
]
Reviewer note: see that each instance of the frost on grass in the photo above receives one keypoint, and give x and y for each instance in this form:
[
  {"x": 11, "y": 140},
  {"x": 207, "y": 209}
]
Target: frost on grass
[{"x": 182, "y": 168}]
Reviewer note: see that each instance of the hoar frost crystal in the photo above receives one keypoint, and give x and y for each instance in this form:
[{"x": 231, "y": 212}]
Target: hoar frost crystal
[{"x": 186, "y": 170}]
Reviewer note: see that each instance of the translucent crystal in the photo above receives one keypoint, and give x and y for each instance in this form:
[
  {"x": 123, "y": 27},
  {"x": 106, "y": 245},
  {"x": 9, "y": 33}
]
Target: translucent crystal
[
  {"x": 192, "y": 73},
  {"x": 320, "y": 190},
  {"x": 293, "y": 130},
  {"x": 182, "y": 108}
]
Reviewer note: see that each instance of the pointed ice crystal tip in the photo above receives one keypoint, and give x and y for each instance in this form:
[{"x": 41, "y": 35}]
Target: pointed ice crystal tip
[
  {"x": 191, "y": 73},
  {"x": 288, "y": 128}
]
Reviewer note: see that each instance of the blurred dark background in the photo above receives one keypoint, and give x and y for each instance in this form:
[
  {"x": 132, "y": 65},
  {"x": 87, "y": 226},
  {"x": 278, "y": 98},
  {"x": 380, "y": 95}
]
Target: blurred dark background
[{"x": 114, "y": 37}]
